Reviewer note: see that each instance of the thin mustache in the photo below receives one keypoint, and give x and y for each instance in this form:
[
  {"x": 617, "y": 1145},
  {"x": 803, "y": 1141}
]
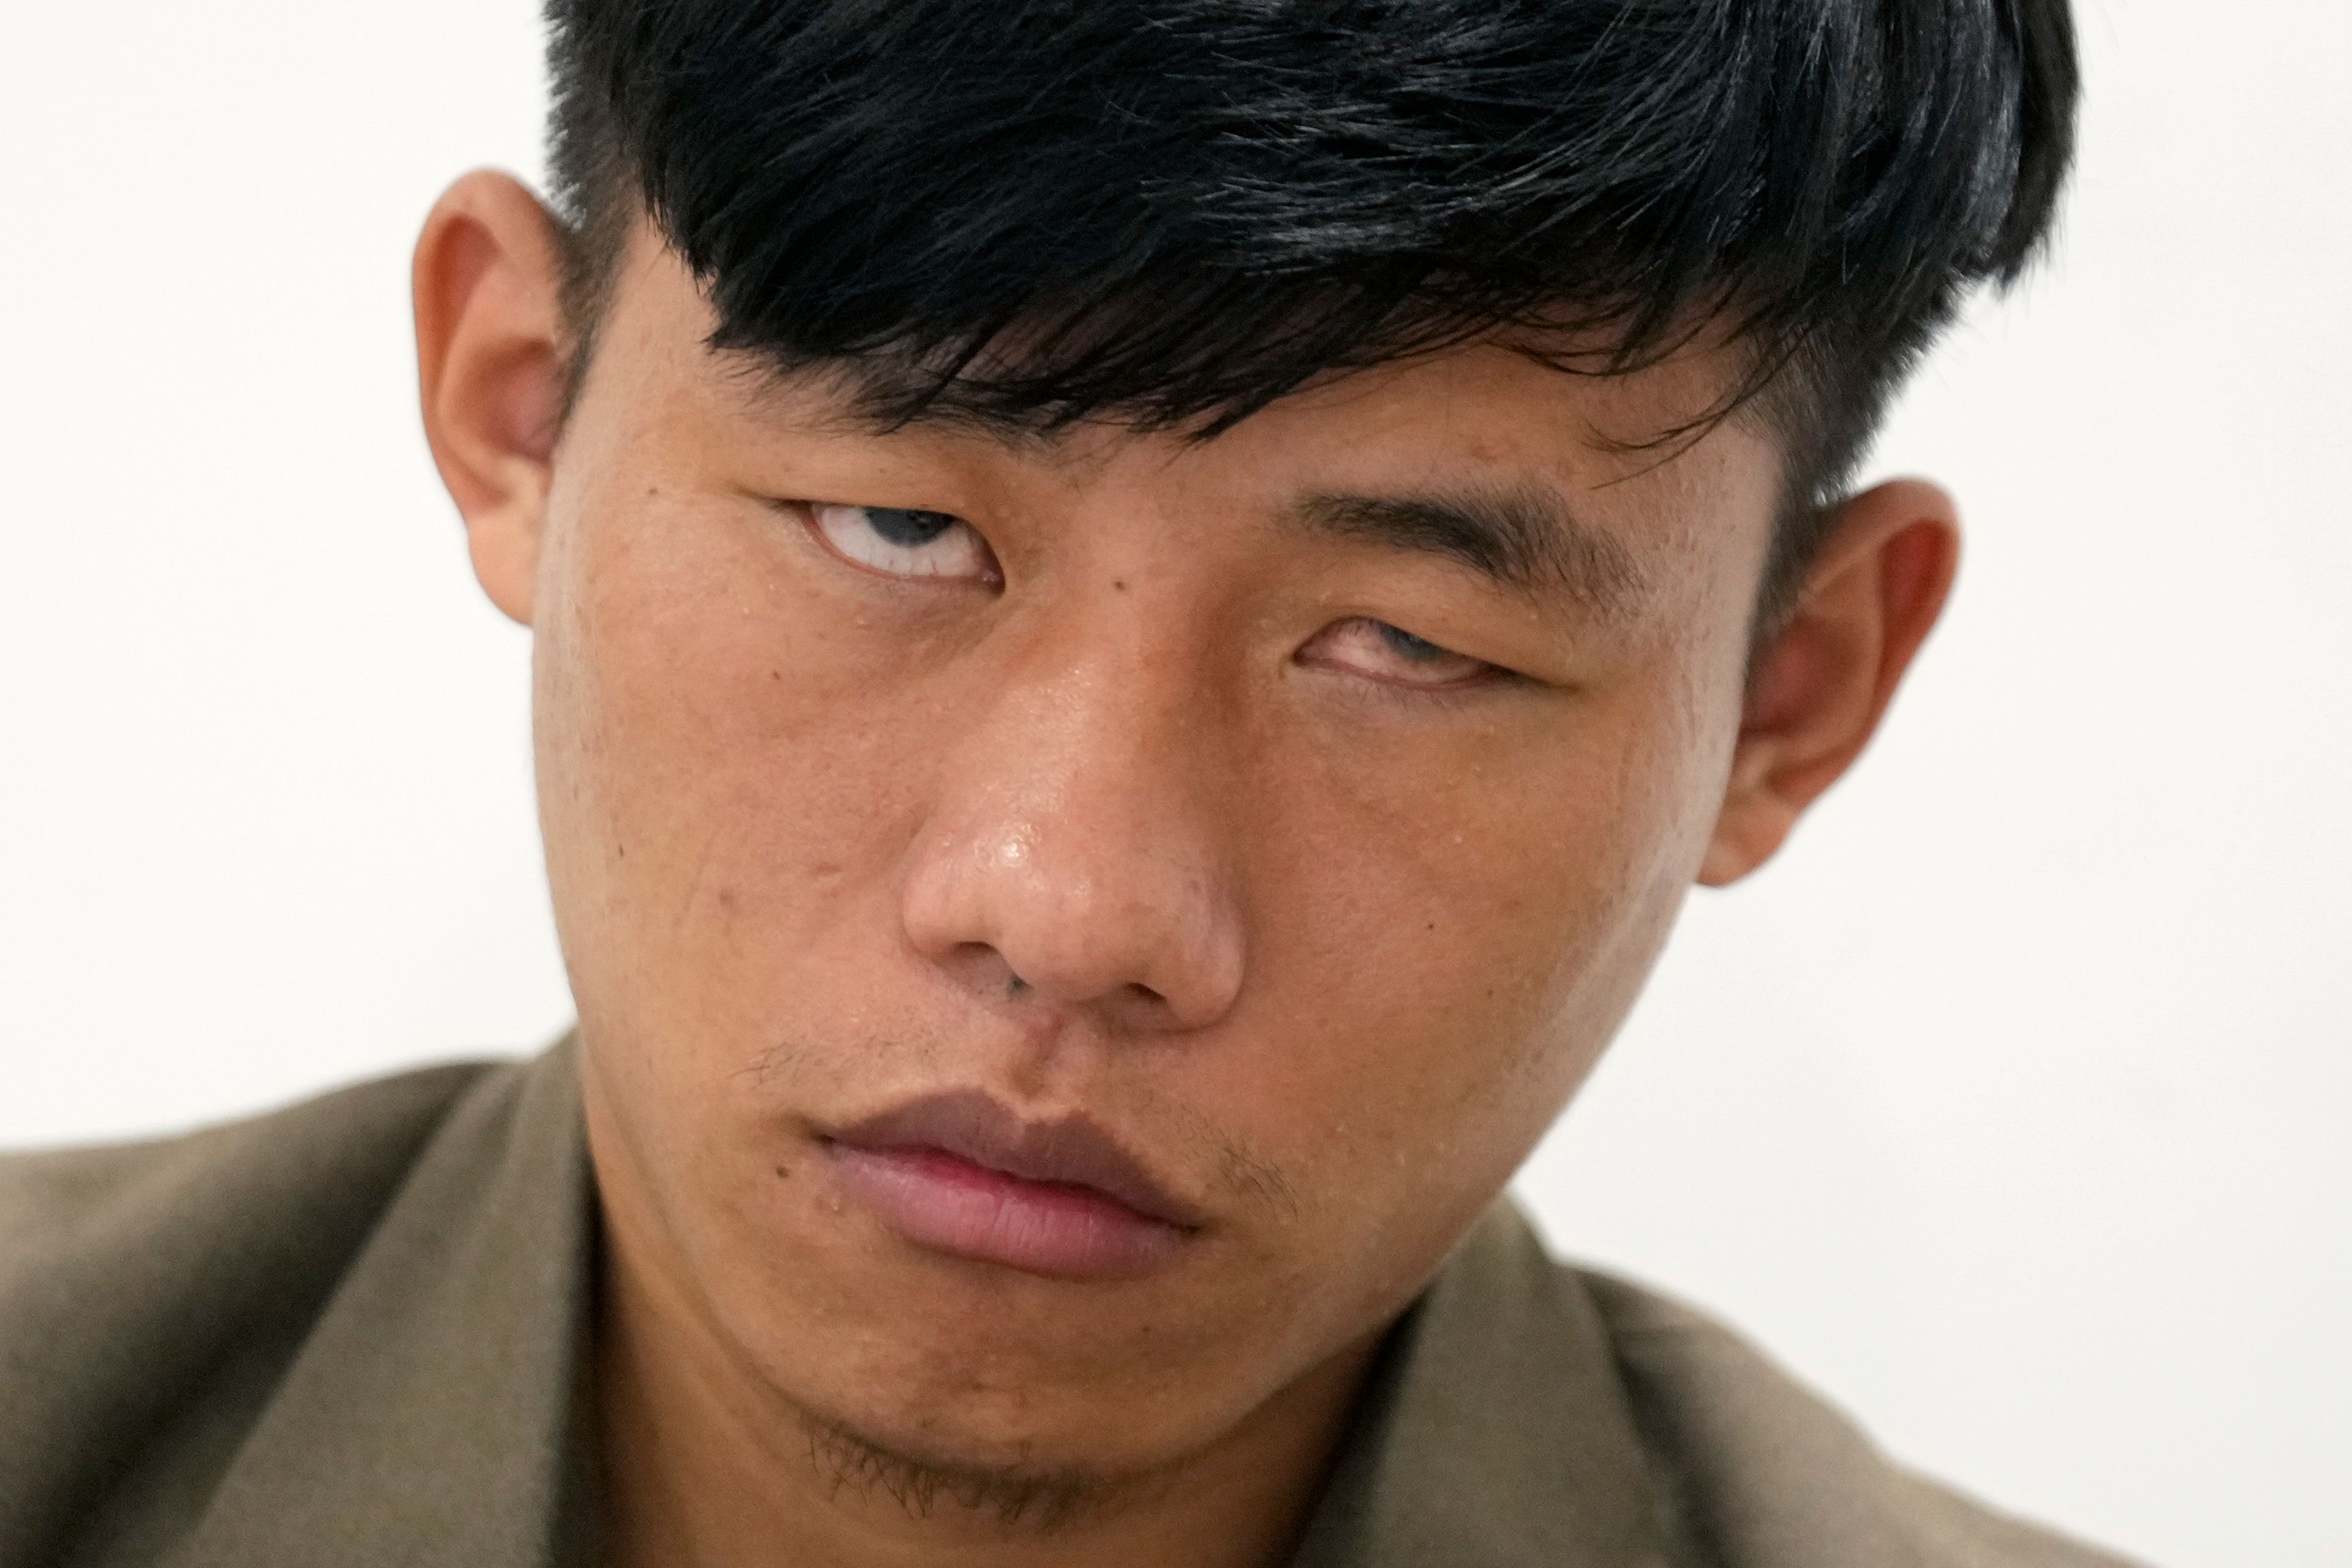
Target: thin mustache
[{"x": 1071, "y": 1148}]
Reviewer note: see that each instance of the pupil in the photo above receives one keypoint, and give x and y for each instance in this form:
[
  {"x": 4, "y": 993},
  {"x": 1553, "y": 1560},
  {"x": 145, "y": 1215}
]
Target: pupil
[
  {"x": 1411, "y": 646},
  {"x": 906, "y": 529}
]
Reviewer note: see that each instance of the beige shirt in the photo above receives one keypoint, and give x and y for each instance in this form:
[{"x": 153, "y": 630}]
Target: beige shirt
[{"x": 351, "y": 1333}]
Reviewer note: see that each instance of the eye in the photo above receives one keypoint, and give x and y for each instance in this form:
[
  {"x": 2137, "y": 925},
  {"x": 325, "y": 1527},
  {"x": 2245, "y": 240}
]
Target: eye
[
  {"x": 898, "y": 542},
  {"x": 1375, "y": 648}
]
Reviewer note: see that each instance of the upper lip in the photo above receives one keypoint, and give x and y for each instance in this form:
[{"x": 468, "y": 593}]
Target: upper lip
[{"x": 1071, "y": 1148}]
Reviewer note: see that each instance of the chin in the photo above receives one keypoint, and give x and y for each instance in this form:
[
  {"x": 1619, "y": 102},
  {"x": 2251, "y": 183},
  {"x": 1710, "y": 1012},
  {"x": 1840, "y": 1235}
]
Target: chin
[
  {"x": 962, "y": 1369},
  {"x": 998, "y": 1443},
  {"x": 918, "y": 1417}
]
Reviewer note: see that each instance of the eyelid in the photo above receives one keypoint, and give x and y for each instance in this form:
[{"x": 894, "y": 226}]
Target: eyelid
[{"x": 1481, "y": 673}]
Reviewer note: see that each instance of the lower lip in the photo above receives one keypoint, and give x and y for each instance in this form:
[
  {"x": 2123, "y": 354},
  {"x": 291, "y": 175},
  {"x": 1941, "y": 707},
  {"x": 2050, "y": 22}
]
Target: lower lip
[{"x": 945, "y": 1204}]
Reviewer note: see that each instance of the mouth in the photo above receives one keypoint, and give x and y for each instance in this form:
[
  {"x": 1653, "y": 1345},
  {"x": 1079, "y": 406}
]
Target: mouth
[{"x": 963, "y": 1174}]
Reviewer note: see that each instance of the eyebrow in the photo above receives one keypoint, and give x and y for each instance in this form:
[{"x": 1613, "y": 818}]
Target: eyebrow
[{"x": 1522, "y": 538}]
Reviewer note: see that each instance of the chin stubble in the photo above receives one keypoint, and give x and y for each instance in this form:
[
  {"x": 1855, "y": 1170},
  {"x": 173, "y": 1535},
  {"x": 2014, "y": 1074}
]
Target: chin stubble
[{"x": 1017, "y": 1501}]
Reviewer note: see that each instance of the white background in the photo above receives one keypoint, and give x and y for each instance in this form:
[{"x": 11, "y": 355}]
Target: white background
[{"x": 2010, "y": 1107}]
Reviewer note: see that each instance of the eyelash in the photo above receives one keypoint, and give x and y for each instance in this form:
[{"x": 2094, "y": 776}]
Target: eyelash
[{"x": 1480, "y": 676}]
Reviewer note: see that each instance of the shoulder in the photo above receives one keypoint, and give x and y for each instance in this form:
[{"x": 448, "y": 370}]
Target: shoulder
[
  {"x": 53, "y": 1195},
  {"x": 1767, "y": 1474},
  {"x": 150, "y": 1290},
  {"x": 201, "y": 1207}
]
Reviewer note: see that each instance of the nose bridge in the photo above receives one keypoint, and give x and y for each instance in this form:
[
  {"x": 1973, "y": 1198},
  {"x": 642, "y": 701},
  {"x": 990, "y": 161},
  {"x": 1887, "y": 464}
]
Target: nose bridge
[{"x": 1076, "y": 835}]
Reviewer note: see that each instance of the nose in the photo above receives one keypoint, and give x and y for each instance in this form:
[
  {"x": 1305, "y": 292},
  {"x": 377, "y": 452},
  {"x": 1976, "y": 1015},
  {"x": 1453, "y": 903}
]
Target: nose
[{"x": 1072, "y": 853}]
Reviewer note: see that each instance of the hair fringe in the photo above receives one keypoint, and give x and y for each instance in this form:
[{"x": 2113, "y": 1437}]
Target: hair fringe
[{"x": 1175, "y": 212}]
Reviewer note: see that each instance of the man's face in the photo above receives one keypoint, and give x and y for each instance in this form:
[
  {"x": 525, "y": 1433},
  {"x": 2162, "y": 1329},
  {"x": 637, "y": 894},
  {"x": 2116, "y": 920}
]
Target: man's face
[{"x": 1202, "y": 796}]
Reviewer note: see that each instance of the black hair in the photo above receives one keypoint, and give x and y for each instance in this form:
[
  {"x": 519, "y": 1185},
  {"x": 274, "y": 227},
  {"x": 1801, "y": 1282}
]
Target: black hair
[{"x": 1173, "y": 212}]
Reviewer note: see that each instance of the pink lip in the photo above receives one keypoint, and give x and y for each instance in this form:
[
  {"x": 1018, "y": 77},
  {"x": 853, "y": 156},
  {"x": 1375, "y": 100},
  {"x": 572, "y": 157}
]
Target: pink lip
[{"x": 963, "y": 1174}]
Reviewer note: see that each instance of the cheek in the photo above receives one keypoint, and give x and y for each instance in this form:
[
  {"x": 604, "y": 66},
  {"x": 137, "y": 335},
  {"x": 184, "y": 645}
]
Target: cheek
[
  {"x": 1450, "y": 950},
  {"x": 724, "y": 788}
]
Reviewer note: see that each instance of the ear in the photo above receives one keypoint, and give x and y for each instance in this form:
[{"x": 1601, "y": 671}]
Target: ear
[
  {"x": 490, "y": 364},
  {"x": 1820, "y": 685}
]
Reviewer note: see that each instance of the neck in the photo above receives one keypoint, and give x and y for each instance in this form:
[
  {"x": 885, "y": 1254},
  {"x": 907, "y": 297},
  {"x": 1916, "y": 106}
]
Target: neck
[{"x": 703, "y": 1464}]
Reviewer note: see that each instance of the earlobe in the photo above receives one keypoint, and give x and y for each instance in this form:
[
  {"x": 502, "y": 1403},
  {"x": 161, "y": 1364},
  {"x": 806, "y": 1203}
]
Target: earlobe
[
  {"x": 1819, "y": 688},
  {"x": 490, "y": 364}
]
